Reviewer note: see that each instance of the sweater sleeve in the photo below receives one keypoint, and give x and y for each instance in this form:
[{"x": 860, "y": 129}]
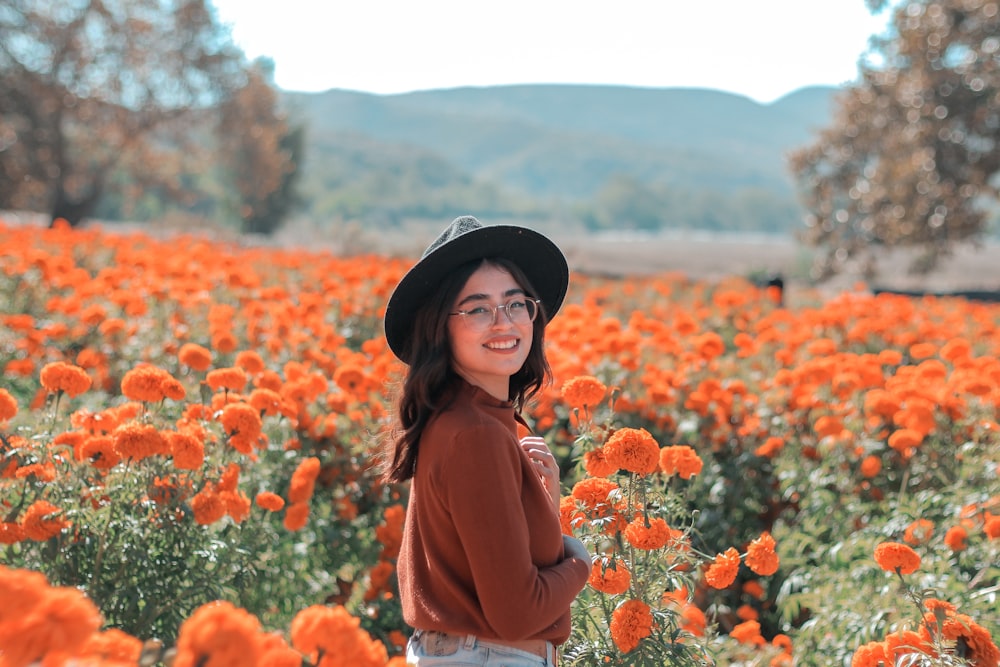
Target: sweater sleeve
[{"x": 521, "y": 575}]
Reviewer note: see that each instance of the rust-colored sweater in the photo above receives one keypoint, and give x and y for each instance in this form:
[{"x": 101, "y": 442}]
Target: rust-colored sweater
[{"x": 482, "y": 548}]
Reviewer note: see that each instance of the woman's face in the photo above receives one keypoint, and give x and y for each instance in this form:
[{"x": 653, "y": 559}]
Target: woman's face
[{"x": 488, "y": 358}]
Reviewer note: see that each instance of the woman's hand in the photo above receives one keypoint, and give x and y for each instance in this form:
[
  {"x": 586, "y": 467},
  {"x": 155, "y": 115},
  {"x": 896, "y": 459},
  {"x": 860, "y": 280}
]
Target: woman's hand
[
  {"x": 574, "y": 548},
  {"x": 548, "y": 470}
]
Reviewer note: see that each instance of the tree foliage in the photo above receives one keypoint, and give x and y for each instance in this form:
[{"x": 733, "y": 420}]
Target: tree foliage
[
  {"x": 912, "y": 157},
  {"x": 94, "y": 89}
]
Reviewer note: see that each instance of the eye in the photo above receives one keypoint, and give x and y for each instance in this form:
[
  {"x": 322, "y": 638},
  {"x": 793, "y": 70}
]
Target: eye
[
  {"x": 517, "y": 305},
  {"x": 479, "y": 311}
]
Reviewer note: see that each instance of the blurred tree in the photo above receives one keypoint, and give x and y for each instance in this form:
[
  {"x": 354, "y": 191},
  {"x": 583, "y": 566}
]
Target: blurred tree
[
  {"x": 260, "y": 152},
  {"x": 90, "y": 89},
  {"x": 912, "y": 157}
]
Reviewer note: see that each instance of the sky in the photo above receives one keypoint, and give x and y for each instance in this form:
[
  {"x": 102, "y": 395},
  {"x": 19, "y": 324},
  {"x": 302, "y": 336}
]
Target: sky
[{"x": 762, "y": 49}]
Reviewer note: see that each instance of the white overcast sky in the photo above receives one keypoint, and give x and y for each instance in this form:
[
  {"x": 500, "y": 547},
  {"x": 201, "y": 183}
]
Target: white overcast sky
[{"x": 763, "y": 49}]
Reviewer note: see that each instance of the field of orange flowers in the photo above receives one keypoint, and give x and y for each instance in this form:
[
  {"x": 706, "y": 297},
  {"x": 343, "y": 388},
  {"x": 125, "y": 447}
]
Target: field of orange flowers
[{"x": 188, "y": 430}]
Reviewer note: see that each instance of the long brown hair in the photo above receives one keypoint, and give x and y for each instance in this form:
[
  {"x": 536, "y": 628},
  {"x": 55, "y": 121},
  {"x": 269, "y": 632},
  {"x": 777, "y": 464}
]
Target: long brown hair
[{"x": 430, "y": 381}]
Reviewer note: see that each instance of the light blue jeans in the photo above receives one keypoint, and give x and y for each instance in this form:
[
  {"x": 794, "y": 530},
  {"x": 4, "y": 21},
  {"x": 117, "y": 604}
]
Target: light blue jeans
[{"x": 434, "y": 649}]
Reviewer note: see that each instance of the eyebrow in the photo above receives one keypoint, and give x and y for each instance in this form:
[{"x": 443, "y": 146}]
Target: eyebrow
[{"x": 517, "y": 291}]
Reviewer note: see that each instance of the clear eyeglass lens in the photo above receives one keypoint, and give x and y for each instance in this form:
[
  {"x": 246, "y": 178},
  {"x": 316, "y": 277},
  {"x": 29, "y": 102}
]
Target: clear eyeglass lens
[{"x": 518, "y": 311}]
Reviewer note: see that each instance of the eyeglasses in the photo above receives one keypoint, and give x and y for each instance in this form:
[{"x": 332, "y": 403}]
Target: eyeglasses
[{"x": 481, "y": 318}]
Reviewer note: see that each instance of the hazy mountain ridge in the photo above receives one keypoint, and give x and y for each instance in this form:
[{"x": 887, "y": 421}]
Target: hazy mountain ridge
[{"x": 565, "y": 142}]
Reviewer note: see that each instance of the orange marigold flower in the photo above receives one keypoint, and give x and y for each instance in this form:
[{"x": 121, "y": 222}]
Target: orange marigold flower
[
  {"x": 8, "y": 406},
  {"x": 748, "y": 632},
  {"x": 981, "y": 650},
  {"x": 569, "y": 515},
  {"x": 753, "y": 588},
  {"x": 250, "y": 361},
  {"x": 151, "y": 384},
  {"x": 905, "y": 440},
  {"x": 896, "y": 557},
  {"x": 61, "y": 620},
  {"x": 137, "y": 441},
  {"x": 919, "y": 531},
  {"x": 242, "y": 424},
  {"x": 321, "y": 630},
  {"x": 272, "y": 502},
  {"x": 722, "y": 572},
  {"x": 770, "y": 448},
  {"x": 709, "y": 345},
  {"x": 218, "y": 634},
  {"x": 610, "y": 576},
  {"x": 871, "y": 466},
  {"x": 680, "y": 460},
  {"x": 100, "y": 451},
  {"x": 195, "y": 356},
  {"x": 266, "y": 401},
  {"x": 208, "y": 506},
  {"x": 186, "y": 449},
  {"x": 303, "y": 480},
  {"x": 230, "y": 379},
  {"x": 632, "y": 449},
  {"x": 10, "y": 533},
  {"x": 67, "y": 378},
  {"x": 275, "y": 652},
  {"x": 992, "y": 527},
  {"x": 761, "y": 557},
  {"x": 649, "y": 534},
  {"x": 631, "y": 622},
  {"x": 583, "y": 392},
  {"x": 42, "y": 521},
  {"x": 596, "y": 464},
  {"x": 351, "y": 378},
  {"x": 872, "y": 654},
  {"x": 112, "y": 647},
  {"x": 596, "y": 494},
  {"x": 296, "y": 516}
]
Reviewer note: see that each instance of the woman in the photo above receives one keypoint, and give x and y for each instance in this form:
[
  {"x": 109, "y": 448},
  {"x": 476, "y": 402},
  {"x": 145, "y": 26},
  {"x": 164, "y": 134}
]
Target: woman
[{"x": 486, "y": 576}]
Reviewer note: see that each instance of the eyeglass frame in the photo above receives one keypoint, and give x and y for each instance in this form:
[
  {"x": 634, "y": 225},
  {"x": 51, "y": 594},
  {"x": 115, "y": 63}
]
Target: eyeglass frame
[{"x": 496, "y": 312}]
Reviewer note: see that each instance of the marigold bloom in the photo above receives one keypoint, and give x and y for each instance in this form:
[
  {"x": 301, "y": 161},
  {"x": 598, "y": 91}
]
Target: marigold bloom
[
  {"x": 151, "y": 384},
  {"x": 761, "y": 557},
  {"x": 230, "y": 379},
  {"x": 982, "y": 651},
  {"x": 208, "y": 506},
  {"x": 632, "y": 449},
  {"x": 10, "y": 532},
  {"x": 631, "y": 622},
  {"x": 896, "y": 557},
  {"x": 583, "y": 392},
  {"x": 250, "y": 361},
  {"x": 919, "y": 531},
  {"x": 610, "y": 577},
  {"x": 569, "y": 514},
  {"x": 195, "y": 356},
  {"x": 770, "y": 448},
  {"x": 992, "y": 527},
  {"x": 748, "y": 632},
  {"x": 722, "y": 572},
  {"x": 680, "y": 460},
  {"x": 351, "y": 378},
  {"x": 136, "y": 441},
  {"x": 333, "y": 632},
  {"x": 8, "y": 406},
  {"x": 100, "y": 451},
  {"x": 303, "y": 480},
  {"x": 59, "y": 621},
  {"x": 218, "y": 634},
  {"x": 67, "y": 378},
  {"x": 111, "y": 647},
  {"x": 871, "y": 465},
  {"x": 296, "y": 516},
  {"x": 266, "y": 401},
  {"x": 596, "y": 494},
  {"x": 275, "y": 652},
  {"x": 188, "y": 451},
  {"x": 41, "y": 521},
  {"x": 272, "y": 502},
  {"x": 905, "y": 440},
  {"x": 872, "y": 654},
  {"x": 649, "y": 534},
  {"x": 242, "y": 424},
  {"x": 596, "y": 464}
]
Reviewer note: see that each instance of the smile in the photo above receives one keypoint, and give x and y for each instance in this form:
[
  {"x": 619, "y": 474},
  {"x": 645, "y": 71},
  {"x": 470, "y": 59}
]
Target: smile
[{"x": 504, "y": 345}]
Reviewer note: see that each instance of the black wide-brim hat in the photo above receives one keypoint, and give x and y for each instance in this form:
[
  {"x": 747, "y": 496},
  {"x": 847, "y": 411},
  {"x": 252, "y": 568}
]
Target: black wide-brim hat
[{"x": 465, "y": 240}]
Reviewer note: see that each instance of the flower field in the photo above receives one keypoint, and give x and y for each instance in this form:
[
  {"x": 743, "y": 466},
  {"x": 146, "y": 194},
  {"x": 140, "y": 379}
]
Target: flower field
[{"x": 189, "y": 432}]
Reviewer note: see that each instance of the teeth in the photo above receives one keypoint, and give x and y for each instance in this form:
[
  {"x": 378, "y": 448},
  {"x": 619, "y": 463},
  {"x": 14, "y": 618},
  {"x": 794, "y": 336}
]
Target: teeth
[{"x": 502, "y": 346}]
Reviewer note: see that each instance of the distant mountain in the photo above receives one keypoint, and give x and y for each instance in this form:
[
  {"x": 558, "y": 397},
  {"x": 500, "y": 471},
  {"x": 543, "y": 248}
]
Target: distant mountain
[{"x": 533, "y": 149}]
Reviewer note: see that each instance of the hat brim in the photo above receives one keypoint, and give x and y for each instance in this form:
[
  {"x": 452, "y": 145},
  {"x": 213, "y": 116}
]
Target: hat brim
[{"x": 541, "y": 261}]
